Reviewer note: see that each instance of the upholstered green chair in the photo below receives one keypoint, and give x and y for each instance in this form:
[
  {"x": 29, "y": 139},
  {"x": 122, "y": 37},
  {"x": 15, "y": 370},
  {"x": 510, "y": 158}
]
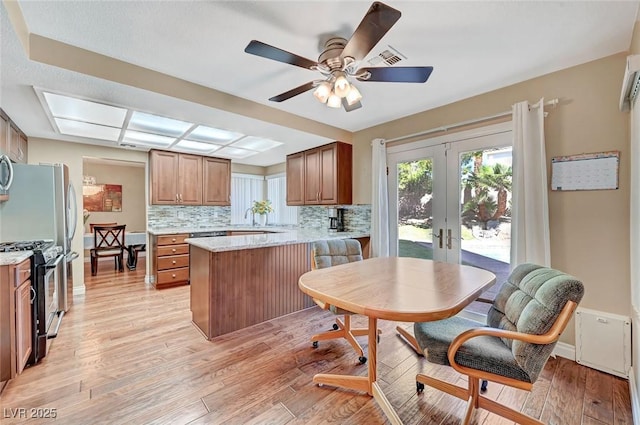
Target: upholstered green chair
[
  {"x": 523, "y": 325},
  {"x": 332, "y": 253}
]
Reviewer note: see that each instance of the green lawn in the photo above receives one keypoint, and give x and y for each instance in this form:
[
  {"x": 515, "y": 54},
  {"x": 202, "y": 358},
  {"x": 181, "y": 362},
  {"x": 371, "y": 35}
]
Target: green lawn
[{"x": 412, "y": 249}]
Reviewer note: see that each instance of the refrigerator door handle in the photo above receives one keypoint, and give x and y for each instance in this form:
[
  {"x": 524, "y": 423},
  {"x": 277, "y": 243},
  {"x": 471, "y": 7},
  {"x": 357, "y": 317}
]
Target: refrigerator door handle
[
  {"x": 5, "y": 183},
  {"x": 72, "y": 256}
]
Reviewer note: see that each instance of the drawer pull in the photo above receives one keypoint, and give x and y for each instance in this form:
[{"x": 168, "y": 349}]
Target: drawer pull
[
  {"x": 173, "y": 275},
  {"x": 173, "y": 262},
  {"x": 173, "y": 250},
  {"x": 173, "y": 240}
]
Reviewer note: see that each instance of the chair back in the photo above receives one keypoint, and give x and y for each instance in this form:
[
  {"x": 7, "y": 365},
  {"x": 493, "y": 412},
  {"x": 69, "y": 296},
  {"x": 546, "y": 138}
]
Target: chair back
[
  {"x": 107, "y": 238},
  {"x": 335, "y": 252},
  {"x": 530, "y": 301},
  {"x": 92, "y": 225}
]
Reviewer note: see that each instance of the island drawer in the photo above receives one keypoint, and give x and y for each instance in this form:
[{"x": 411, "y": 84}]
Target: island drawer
[
  {"x": 172, "y": 239},
  {"x": 22, "y": 272},
  {"x": 174, "y": 275},
  {"x": 173, "y": 262},
  {"x": 173, "y": 250}
]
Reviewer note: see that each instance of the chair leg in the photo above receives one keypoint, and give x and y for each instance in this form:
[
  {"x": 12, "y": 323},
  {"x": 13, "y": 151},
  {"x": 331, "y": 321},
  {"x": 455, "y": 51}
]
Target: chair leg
[
  {"x": 94, "y": 266},
  {"x": 410, "y": 339}
]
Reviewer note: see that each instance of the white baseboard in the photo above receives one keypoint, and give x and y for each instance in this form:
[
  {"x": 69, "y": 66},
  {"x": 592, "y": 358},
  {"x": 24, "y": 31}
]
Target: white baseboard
[
  {"x": 635, "y": 401},
  {"x": 565, "y": 350},
  {"x": 79, "y": 290},
  {"x": 148, "y": 278}
]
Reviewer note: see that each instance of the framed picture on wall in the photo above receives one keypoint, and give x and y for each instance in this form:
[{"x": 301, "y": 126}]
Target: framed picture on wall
[{"x": 102, "y": 197}]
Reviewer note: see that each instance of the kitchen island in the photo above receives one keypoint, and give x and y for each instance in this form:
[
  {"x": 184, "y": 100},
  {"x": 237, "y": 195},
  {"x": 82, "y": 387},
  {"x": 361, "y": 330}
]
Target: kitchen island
[{"x": 239, "y": 281}]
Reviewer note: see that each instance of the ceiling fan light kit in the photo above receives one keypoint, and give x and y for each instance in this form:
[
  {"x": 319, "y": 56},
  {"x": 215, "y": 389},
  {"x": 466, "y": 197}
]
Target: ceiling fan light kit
[{"x": 339, "y": 61}]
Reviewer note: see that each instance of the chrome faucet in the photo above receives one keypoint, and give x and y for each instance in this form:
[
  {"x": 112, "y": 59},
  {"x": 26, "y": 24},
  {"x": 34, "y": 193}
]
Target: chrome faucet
[{"x": 253, "y": 216}]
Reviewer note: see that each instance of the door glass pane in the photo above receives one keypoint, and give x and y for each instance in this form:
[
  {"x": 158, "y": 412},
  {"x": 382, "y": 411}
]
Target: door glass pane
[
  {"x": 485, "y": 215},
  {"x": 415, "y": 201}
]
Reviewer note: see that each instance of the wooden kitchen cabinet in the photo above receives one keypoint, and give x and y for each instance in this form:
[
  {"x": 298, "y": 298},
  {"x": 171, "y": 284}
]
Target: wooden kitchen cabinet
[
  {"x": 217, "y": 181},
  {"x": 21, "y": 276},
  {"x": 170, "y": 257},
  {"x": 320, "y": 176},
  {"x": 295, "y": 179},
  {"x": 17, "y": 144},
  {"x": 4, "y": 133},
  {"x": 176, "y": 178}
]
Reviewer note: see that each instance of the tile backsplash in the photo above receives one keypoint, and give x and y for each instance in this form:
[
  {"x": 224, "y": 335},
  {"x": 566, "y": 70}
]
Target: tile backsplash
[{"x": 356, "y": 217}]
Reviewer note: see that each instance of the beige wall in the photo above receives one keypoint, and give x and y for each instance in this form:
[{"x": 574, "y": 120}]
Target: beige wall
[
  {"x": 132, "y": 180},
  {"x": 46, "y": 150},
  {"x": 589, "y": 229}
]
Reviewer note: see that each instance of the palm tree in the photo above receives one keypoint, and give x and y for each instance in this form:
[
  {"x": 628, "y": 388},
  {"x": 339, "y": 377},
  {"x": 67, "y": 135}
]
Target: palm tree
[{"x": 486, "y": 180}]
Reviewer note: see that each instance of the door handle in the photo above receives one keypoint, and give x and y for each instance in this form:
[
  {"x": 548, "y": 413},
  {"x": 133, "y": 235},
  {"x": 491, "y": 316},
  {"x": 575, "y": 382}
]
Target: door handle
[
  {"x": 439, "y": 236},
  {"x": 448, "y": 238}
]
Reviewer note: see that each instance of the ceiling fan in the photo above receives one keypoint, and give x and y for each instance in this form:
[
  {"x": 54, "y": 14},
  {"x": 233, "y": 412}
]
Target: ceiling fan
[{"x": 339, "y": 61}]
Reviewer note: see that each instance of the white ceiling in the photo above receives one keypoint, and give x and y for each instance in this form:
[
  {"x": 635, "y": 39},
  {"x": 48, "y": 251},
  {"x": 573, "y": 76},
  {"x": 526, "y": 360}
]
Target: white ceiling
[{"x": 474, "y": 47}]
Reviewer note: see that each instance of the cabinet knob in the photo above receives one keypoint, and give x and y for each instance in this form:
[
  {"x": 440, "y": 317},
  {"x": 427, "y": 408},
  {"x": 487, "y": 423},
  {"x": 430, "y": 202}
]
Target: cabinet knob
[
  {"x": 173, "y": 262},
  {"x": 173, "y": 250},
  {"x": 173, "y": 240},
  {"x": 173, "y": 275}
]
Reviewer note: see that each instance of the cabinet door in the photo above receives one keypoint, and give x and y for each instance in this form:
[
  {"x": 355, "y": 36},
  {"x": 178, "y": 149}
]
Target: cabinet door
[
  {"x": 16, "y": 148},
  {"x": 328, "y": 175},
  {"x": 23, "y": 325},
  {"x": 190, "y": 179},
  {"x": 164, "y": 177},
  {"x": 4, "y": 135},
  {"x": 217, "y": 181},
  {"x": 295, "y": 179},
  {"x": 312, "y": 177}
]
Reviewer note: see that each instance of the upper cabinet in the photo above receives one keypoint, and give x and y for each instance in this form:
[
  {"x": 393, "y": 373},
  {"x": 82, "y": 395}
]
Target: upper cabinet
[
  {"x": 217, "y": 181},
  {"x": 320, "y": 176},
  {"x": 184, "y": 179},
  {"x": 13, "y": 142}
]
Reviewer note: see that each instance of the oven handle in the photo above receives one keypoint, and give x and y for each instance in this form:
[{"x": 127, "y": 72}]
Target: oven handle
[
  {"x": 53, "y": 265},
  {"x": 51, "y": 335}
]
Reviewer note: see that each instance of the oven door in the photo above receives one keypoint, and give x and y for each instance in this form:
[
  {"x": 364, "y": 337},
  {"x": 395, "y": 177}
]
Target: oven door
[{"x": 52, "y": 280}]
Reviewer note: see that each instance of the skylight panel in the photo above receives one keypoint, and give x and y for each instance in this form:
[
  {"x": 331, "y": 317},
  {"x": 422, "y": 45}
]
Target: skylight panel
[
  {"x": 84, "y": 110},
  {"x": 157, "y": 125},
  {"x": 147, "y": 139},
  {"x": 84, "y": 129},
  {"x": 256, "y": 143},
  {"x": 203, "y": 133}
]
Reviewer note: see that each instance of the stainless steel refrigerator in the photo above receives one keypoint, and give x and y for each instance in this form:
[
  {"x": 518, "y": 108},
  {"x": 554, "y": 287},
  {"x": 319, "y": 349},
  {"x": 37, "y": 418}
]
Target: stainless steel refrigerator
[{"x": 42, "y": 205}]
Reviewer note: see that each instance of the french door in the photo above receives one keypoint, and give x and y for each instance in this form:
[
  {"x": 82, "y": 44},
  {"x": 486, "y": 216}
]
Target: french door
[{"x": 449, "y": 199}]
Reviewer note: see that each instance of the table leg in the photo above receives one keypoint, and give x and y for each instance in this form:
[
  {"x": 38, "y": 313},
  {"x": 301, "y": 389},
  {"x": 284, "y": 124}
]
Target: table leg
[{"x": 367, "y": 384}]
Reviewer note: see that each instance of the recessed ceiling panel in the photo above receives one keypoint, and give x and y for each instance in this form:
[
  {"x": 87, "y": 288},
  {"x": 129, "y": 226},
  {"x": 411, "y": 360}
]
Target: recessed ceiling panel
[
  {"x": 84, "y": 129},
  {"x": 157, "y": 125},
  {"x": 147, "y": 139},
  {"x": 83, "y": 110},
  {"x": 202, "y": 133},
  {"x": 235, "y": 153},
  {"x": 195, "y": 146},
  {"x": 256, "y": 143}
]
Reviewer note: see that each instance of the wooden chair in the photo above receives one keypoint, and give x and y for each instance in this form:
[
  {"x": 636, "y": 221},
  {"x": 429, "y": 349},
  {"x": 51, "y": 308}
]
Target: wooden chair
[
  {"x": 92, "y": 225},
  {"x": 108, "y": 241},
  {"x": 332, "y": 253},
  {"x": 523, "y": 325}
]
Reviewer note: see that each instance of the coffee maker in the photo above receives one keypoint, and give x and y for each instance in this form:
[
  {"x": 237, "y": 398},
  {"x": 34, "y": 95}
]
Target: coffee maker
[{"x": 336, "y": 219}]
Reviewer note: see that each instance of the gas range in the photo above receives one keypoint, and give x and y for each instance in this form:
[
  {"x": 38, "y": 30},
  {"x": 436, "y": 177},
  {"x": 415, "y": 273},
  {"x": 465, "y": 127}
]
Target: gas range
[{"x": 43, "y": 250}]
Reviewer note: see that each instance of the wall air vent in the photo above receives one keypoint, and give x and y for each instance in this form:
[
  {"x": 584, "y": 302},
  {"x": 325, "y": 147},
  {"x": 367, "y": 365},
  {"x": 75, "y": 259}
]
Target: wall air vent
[
  {"x": 630, "y": 82},
  {"x": 389, "y": 56}
]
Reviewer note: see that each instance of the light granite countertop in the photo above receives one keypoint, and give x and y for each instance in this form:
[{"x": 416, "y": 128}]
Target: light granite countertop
[
  {"x": 17, "y": 257},
  {"x": 283, "y": 237}
]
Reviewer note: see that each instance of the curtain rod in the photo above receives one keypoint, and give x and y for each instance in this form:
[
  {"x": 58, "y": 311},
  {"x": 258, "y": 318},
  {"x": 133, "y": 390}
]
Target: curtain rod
[{"x": 552, "y": 102}]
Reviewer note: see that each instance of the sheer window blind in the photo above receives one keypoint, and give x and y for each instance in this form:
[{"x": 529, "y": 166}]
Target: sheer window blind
[
  {"x": 245, "y": 188},
  {"x": 277, "y": 193}
]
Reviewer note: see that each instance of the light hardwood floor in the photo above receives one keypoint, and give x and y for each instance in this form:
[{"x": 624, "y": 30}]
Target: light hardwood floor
[{"x": 128, "y": 354}]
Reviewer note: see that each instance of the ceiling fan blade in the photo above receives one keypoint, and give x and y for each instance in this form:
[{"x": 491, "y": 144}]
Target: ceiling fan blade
[
  {"x": 378, "y": 20},
  {"x": 350, "y": 108},
  {"x": 259, "y": 48},
  {"x": 293, "y": 92},
  {"x": 398, "y": 74}
]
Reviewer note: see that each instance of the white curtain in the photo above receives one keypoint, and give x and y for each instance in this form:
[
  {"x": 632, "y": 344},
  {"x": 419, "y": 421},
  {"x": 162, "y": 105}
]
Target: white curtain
[
  {"x": 530, "y": 210},
  {"x": 277, "y": 194},
  {"x": 379, "y": 200},
  {"x": 245, "y": 189}
]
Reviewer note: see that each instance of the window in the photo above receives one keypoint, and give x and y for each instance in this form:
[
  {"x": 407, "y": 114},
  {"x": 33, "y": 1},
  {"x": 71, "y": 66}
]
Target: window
[
  {"x": 277, "y": 194},
  {"x": 245, "y": 188}
]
